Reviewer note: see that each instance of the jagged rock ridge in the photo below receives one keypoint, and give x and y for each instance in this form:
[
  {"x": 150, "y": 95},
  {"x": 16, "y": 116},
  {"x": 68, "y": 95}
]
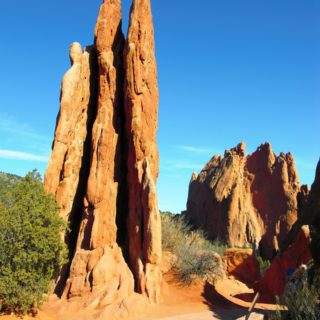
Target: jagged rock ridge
[
  {"x": 246, "y": 200},
  {"x": 104, "y": 165}
]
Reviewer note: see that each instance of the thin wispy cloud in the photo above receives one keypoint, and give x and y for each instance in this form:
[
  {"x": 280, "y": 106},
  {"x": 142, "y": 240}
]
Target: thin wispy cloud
[
  {"x": 21, "y": 136},
  {"x": 17, "y": 155},
  {"x": 9, "y": 125},
  {"x": 197, "y": 150},
  {"x": 180, "y": 165}
]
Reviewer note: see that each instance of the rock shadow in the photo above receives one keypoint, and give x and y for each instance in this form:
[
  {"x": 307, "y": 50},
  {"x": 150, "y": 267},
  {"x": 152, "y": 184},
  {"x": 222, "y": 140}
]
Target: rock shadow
[{"x": 219, "y": 306}]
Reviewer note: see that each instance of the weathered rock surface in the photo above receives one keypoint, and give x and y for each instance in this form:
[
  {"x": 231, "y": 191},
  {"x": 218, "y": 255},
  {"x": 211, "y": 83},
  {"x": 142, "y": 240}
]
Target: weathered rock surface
[
  {"x": 73, "y": 122},
  {"x": 246, "y": 200},
  {"x": 275, "y": 279},
  {"x": 242, "y": 265},
  {"x": 98, "y": 266},
  {"x": 141, "y": 108},
  {"x": 309, "y": 215},
  {"x": 104, "y": 166}
]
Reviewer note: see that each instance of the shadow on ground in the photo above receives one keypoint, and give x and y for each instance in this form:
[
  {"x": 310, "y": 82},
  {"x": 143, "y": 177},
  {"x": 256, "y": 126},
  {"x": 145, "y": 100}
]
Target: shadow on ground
[{"x": 222, "y": 308}]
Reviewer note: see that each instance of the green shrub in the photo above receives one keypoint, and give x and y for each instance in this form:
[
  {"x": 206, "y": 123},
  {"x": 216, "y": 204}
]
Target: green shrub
[
  {"x": 263, "y": 265},
  {"x": 31, "y": 248},
  {"x": 7, "y": 182},
  {"x": 196, "y": 258},
  {"x": 301, "y": 299}
]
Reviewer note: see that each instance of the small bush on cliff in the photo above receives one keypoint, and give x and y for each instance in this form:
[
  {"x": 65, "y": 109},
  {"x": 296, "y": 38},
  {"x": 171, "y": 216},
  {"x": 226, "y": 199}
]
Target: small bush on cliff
[
  {"x": 31, "y": 249},
  {"x": 196, "y": 257},
  {"x": 264, "y": 265}
]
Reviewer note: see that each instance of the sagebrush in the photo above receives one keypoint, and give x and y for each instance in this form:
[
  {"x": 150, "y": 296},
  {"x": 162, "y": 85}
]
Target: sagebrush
[{"x": 196, "y": 257}]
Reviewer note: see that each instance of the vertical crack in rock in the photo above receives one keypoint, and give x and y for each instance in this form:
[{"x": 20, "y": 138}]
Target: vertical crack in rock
[
  {"x": 141, "y": 107},
  {"x": 246, "y": 200}
]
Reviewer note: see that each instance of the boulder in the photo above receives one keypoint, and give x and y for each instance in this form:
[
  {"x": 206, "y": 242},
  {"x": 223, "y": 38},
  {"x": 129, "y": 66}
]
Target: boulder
[{"x": 242, "y": 264}]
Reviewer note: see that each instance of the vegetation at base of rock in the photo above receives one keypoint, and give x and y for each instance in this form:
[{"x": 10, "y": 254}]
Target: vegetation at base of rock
[
  {"x": 264, "y": 265},
  {"x": 196, "y": 257},
  {"x": 301, "y": 298},
  {"x": 31, "y": 249},
  {"x": 7, "y": 181}
]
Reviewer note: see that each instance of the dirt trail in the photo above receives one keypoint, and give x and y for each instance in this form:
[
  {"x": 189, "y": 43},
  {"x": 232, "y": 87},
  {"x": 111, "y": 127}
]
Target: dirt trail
[
  {"x": 195, "y": 302},
  {"x": 208, "y": 315}
]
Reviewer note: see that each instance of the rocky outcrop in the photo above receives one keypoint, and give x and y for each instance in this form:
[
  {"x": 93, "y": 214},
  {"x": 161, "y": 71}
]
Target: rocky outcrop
[
  {"x": 275, "y": 279},
  {"x": 309, "y": 215},
  {"x": 242, "y": 264},
  {"x": 141, "y": 108},
  {"x": 104, "y": 166},
  {"x": 246, "y": 200}
]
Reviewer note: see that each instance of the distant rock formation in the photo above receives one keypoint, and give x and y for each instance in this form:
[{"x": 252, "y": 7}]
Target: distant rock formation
[
  {"x": 104, "y": 165},
  {"x": 300, "y": 245},
  {"x": 246, "y": 200}
]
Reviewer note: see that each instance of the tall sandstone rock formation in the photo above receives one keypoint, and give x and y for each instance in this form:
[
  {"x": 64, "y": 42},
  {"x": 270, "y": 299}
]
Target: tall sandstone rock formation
[
  {"x": 246, "y": 200},
  {"x": 141, "y": 108},
  {"x": 104, "y": 165}
]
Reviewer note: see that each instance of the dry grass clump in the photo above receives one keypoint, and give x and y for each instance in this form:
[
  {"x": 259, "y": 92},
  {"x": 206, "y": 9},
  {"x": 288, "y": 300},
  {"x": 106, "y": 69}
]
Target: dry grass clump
[{"x": 197, "y": 258}]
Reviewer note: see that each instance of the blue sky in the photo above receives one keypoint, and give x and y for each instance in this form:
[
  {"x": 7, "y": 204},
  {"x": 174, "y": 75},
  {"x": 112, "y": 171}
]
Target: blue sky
[{"x": 229, "y": 71}]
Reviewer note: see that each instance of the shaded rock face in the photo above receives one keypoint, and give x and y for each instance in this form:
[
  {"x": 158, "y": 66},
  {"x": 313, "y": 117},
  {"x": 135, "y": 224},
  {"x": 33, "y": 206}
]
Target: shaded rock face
[
  {"x": 246, "y": 200},
  {"x": 242, "y": 264},
  {"x": 104, "y": 164},
  {"x": 274, "y": 282},
  {"x": 309, "y": 215}
]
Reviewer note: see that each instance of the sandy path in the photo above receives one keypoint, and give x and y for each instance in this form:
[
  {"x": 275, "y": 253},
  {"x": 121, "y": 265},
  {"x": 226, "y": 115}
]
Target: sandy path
[
  {"x": 195, "y": 302},
  {"x": 209, "y": 315}
]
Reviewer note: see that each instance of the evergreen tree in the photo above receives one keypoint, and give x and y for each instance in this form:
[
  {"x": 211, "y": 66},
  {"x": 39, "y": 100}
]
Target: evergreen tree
[{"x": 31, "y": 247}]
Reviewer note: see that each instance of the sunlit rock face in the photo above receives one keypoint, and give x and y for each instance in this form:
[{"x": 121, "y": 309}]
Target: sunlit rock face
[
  {"x": 244, "y": 200},
  {"x": 141, "y": 109},
  {"x": 104, "y": 166}
]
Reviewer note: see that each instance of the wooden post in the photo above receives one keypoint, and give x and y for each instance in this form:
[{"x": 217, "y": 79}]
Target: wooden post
[{"x": 252, "y": 305}]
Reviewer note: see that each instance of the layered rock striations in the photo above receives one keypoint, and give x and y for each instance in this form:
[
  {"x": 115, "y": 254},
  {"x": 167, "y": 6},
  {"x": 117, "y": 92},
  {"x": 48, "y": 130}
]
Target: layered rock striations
[
  {"x": 104, "y": 164},
  {"x": 246, "y": 200}
]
